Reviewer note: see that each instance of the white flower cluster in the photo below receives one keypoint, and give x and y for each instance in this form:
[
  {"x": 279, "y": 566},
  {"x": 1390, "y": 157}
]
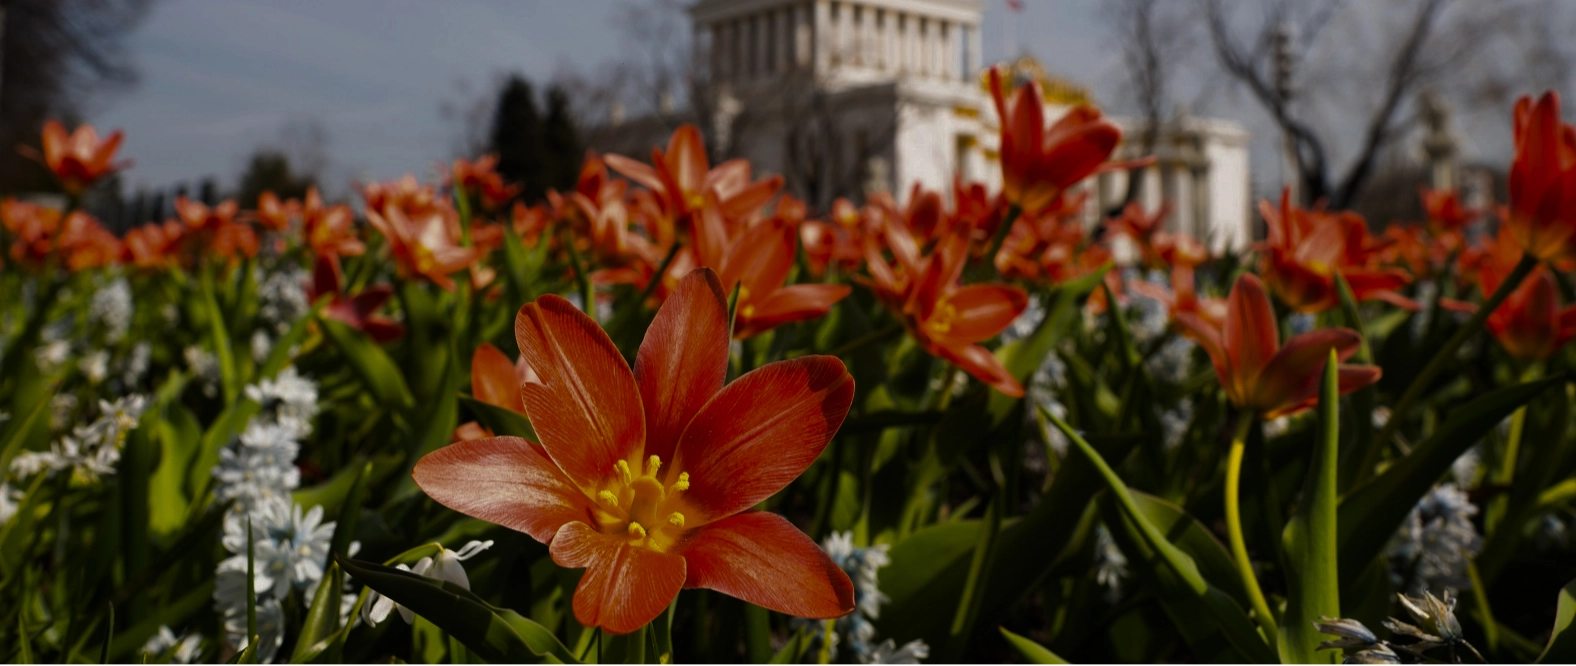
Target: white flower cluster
[
  {"x": 281, "y": 297},
  {"x": 290, "y": 547},
  {"x": 112, "y": 308},
  {"x": 856, "y": 629},
  {"x": 260, "y": 465},
  {"x": 1433, "y": 547},
  {"x": 183, "y": 650},
  {"x": 290, "y": 543},
  {"x": 90, "y": 451}
]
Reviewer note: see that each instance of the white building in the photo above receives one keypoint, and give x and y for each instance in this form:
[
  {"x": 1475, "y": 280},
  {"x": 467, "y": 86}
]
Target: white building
[{"x": 839, "y": 95}]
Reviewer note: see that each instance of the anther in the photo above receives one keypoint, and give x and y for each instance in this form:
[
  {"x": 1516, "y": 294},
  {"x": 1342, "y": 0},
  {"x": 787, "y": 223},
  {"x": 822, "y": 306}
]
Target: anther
[
  {"x": 623, "y": 471},
  {"x": 676, "y": 519},
  {"x": 653, "y": 464},
  {"x": 682, "y": 483},
  {"x": 608, "y": 497},
  {"x": 636, "y": 531}
]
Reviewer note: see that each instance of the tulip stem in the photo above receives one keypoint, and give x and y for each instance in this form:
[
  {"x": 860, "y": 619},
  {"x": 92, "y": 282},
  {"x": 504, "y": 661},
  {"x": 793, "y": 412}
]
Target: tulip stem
[
  {"x": 1442, "y": 358},
  {"x": 1239, "y": 547},
  {"x": 1506, "y": 473}
]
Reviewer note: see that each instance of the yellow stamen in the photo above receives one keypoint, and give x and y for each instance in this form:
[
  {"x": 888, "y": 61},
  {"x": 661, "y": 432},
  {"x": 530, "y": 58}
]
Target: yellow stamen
[
  {"x": 623, "y": 471},
  {"x": 608, "y": 497},
  {"x": 676, "y": 519},
  {"x": 636, "y": 531},
  {"x": 683, "y": 483},
  {"x": 653, "y": 464}
]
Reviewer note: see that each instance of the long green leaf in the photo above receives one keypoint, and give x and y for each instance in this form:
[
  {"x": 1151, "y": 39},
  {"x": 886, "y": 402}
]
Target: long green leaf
[
  {"x": 377, "y": 371},
  {"x": 1032, "y": 651},
  {"x": 493, "y": 634},
  {"x": 322, "y": 618},
  {"x": 219, "y": 337},
  {"x": 1562, "y": 640},
  {"x": 164, "y": 614},
  {"x": 1181, "y": 583},
  {"x": 1371, "y": 512},
  {"x": 1310, "y": 538}
]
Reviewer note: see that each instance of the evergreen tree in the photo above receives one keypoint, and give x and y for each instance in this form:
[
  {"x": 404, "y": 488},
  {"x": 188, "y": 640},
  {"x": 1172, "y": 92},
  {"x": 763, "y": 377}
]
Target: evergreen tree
[
  {"x": 270, "y": 171},
  {"x": 516, "y": 137},
  {"x": 560, "y": 141},
  {"x": 538, "y": 152}
]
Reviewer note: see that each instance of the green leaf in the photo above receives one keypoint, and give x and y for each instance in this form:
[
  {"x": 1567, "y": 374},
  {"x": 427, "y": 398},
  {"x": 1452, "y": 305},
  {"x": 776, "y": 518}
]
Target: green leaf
[
  {"x": 1562, "y": 640},
  {"x": 377, "y": 371},
  {"x": 179, "y": 437},
  {"x": 793, "y": 651},
  {"x": 1031, "y": 651},
  {"x": 322, "y": 618},
  {"x": 19, "y": 430},
  {"x": 1183, "y": 589},
  {"x": 1310, "y": 538},
  {"x": 1371, "y": 512},
  {"x": 349, "y": 514},
  {"x": 493, "y": 634},
  {"x": 247, "y": 655},
  {"x": 220, "y": 339},
  {"x": 109, "y": 635},
  {"x": 1361, "y": 451},
  {"x": 502, "y": 422}
]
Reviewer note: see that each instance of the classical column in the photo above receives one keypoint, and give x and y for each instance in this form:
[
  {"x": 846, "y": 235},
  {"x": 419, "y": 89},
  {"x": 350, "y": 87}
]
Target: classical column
[{"x": 976, "y": 51}]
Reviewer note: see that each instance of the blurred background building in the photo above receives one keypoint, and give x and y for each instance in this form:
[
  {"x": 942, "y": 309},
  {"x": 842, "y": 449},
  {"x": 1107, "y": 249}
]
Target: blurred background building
[{"x": 844, "y": 97}]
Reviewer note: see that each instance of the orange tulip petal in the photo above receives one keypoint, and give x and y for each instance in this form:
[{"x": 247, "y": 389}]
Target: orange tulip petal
[
  {"x": 503, "y": 480},
  {"x": 1251, "y": 335},
  {"x": 625, "y": 586},
  {"x": 763, "y": 559},
  {"x": 493, "y": 379},
  {"x": 983, "y": 310},
  {"x": 1348, "y": 378},
  {"x": 586, "y": 408},
  {"x": 1293, "y": 373},
  {"x": 684, "y": 359},
  {"x": 637, "y": 171},
  {"x": 983, "y": 365},
  {"x": 686, "y": 160},
  {"x": 790, "y": 304},
  {"x": 761, "y": 432}
]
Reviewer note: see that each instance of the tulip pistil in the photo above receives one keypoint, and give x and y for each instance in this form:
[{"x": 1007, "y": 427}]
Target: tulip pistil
[{"x": 642, "y": 508}]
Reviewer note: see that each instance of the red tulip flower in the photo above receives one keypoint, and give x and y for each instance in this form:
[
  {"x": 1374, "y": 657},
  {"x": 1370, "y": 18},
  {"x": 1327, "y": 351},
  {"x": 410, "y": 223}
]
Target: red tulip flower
[
  {"x": 1543, "y": 179},
  {"x": 947, "y": 319},
  {"x": 356, "y": 311},
  {"x": 681, "y": 176},
  {"x": 1038, "y": 163},
  {"x": 480, "y": 179},
  {"x": 1307, "y": 248},
  {"x": 646, "y": 478},
  {"x": 79, "y": 158},
  {"x": 1260, "y": 374},
  {"x": 329, "y": 230},
  {"x": 423, "y": 242},
  {"x": 758, "y": 259},
  {"x": 1530, "y": 324}
]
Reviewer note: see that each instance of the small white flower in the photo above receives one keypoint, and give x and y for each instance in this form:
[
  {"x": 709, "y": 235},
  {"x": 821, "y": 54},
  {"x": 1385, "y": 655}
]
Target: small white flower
[
  {"x": 95, "y": 366},
  {"x": 10, "y": 498},
  {"x": 183, "y": 650},
  {"x": 446, "y": 567},
  {"x": 112, "y": 308},
  {"x": 51, "y": 355},
  {"x": 262, "y": 346},
  {"x": 912, "y": 652},
  {"x": 1110, "y": 563}
]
